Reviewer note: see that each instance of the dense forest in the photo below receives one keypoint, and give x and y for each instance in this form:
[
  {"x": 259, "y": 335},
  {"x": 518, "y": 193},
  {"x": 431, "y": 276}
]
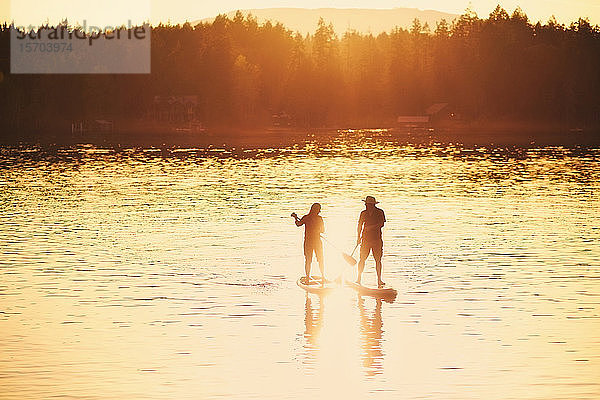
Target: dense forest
[{"x": 501, "y": 68}]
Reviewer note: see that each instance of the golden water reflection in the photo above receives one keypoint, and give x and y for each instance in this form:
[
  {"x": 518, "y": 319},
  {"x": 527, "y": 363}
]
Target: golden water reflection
[{"x": 170, "y": 273}]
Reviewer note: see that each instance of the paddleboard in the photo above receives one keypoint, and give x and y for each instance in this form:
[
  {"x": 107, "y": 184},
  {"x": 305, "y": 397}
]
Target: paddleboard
[
  {"x": 383, "y": 293},
  {"x": 314, "y": 286}
]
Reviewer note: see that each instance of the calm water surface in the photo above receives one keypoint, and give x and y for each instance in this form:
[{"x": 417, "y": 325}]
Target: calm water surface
[{"x": 170, "y": 274}]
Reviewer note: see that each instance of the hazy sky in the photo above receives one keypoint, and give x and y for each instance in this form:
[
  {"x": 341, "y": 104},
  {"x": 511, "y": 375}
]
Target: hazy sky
[{"x": 118, "y": 11}]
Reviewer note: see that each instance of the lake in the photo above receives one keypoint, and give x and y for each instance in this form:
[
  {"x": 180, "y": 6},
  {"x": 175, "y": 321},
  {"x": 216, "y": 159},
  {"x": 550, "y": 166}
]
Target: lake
[{"x": 169, "y": 273}]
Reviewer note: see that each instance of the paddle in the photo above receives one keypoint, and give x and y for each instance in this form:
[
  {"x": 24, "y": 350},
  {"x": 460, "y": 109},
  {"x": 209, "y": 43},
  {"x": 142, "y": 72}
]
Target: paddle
[{"x": 349, "y": 258}]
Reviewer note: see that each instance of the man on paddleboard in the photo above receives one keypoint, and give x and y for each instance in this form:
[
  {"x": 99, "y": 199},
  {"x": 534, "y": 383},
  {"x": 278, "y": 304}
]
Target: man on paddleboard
[
  {"x": 370, "y": 222},
  {"x": 313, "y": 227}
]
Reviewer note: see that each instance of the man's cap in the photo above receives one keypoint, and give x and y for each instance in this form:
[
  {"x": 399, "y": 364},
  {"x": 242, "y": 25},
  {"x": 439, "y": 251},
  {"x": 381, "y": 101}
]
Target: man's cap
[{"x": 370, "y": 200}]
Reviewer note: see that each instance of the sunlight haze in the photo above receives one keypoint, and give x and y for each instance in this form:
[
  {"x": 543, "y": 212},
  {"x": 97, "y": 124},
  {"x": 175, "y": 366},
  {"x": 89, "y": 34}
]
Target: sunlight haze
[{"x": 178, "y": 11}]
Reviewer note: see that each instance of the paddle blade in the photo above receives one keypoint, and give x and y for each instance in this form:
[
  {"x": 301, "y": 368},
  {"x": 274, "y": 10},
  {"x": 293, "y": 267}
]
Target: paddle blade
[{"x": 349, "y": 259}]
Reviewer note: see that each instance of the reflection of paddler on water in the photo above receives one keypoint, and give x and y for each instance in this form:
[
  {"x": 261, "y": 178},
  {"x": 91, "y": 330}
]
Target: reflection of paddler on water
[
  {"x": 313, "y": 227},
  {"x": 371, "y": 332},
  {"x": 313, "y": 321}
]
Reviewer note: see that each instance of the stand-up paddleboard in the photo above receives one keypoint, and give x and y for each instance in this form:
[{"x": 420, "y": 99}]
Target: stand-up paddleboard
[
  {"x": 387, "y": 293},
  {"x": 314, "y": 286}
]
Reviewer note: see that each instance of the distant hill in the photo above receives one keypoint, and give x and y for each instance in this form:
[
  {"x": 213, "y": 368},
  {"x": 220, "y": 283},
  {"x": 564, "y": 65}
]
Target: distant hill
[{"x": 363, "y": 20}]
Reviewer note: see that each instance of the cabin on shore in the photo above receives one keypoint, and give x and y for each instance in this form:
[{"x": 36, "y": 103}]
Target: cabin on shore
[
  {"x": 281, "y": 121},
  {"x": 413, "y": 121},
  {"x": 179, "y": 113},
  {"x": 80, "y": 127},
  {"x": 175, "y": 109},
  {"x": 435, "y": 115}
]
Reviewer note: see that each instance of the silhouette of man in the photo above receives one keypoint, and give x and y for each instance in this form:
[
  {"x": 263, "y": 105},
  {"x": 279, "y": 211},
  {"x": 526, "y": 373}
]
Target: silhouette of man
[
  {"x": 370, "y": 222},
  {"x": 313, "y": 227}
]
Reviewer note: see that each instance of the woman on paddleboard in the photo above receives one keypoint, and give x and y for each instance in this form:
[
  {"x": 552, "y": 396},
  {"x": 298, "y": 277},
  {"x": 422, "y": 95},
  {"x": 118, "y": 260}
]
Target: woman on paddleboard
[{"x": 313, "y": 227}]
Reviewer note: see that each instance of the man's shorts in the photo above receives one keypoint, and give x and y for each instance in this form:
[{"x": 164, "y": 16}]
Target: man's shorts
[
  {"x": 368, "y": 246},
  {"x": 315, "y": 246}
]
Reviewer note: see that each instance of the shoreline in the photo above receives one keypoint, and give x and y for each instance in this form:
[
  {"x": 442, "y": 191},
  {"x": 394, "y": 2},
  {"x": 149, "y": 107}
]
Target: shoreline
[{"x": 277, "y": 138}]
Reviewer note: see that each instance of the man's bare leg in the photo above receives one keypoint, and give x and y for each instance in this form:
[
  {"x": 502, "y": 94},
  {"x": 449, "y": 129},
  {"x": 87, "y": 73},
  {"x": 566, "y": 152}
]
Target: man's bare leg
[
  {"x": 322, "y": 268},
  {"x": 379, "y": 268},
  {"x": 364, "y": 254},
  {"x": 307, "y": 265},
  {"x": 319, "y": 254},
  {"x": 378, "y": 255},
  {"x": 361, "y": 268}
]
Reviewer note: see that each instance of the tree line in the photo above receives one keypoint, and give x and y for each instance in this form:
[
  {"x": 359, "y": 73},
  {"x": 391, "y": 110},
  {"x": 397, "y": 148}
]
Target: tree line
[{"x": 503, "y": 67}]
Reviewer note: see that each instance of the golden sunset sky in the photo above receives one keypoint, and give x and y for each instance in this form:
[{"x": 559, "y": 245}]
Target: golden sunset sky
[{"x": 117, "y": 11}]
